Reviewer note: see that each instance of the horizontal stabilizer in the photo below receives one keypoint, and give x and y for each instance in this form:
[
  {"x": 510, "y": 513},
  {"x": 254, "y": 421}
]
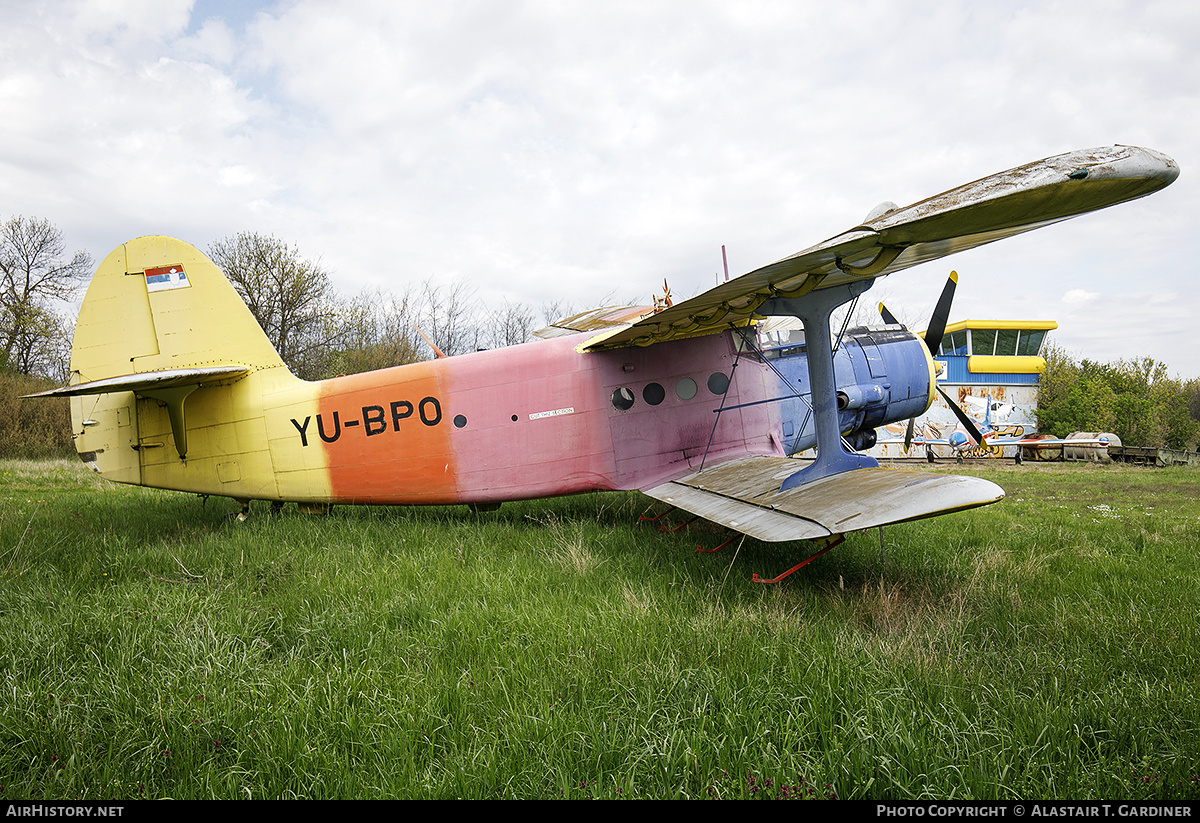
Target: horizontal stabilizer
[
  {"x": 744, "y": 495},
  {"x": 150, "y": 381}
]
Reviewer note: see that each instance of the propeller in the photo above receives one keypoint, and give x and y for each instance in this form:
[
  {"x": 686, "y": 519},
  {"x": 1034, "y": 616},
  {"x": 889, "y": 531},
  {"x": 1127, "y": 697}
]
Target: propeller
[
  {"x": 941, "y": 313},
  {"x": 967, "y": 422},
  {"x": 933, "y": 342}
]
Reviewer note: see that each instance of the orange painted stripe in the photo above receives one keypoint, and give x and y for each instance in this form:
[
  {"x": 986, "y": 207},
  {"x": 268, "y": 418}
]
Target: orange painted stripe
[{"x": 387, "y": 437}]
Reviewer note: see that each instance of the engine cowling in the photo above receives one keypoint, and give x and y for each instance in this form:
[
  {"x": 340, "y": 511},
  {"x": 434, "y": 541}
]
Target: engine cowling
[{"x": 884, "y": 375}]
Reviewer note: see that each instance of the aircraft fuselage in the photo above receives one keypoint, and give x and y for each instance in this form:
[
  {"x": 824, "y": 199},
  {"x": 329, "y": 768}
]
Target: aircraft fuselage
[{"x": 534, "y": 420}]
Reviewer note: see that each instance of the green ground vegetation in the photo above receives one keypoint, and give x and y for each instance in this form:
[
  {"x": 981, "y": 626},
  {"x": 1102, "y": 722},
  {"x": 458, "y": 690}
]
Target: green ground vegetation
[
  {"x": 33, "y": 428},
  {"x": 1137, "y": 400},
  {"x": 1044, "y": 647}
]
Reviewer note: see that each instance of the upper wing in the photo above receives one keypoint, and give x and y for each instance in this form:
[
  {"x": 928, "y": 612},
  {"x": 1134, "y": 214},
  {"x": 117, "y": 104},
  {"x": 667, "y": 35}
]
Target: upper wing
[
  {"x": 744, "y": 495},
  {"x": 990, "y": 209}
]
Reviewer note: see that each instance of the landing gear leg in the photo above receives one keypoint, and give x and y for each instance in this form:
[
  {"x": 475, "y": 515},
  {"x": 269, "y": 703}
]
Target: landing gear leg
[
  {"x": 244, "y": 514},
  {"x": 826, "y": 543}
]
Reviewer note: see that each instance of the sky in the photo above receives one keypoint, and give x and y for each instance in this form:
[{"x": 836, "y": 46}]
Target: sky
[{"x": 582, "y": 152}]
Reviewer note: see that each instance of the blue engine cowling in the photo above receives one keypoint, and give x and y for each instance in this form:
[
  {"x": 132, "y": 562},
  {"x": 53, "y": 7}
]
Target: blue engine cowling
[{"x": 883, "y": 375}]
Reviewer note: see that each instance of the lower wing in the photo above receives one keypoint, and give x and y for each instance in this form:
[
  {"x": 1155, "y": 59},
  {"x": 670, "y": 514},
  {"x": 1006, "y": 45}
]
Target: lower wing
[{"x": 745, "y": 496}]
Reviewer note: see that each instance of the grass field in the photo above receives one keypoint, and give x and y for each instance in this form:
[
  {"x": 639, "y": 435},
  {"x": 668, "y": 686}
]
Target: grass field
[{"x": 1045, "y": 647}]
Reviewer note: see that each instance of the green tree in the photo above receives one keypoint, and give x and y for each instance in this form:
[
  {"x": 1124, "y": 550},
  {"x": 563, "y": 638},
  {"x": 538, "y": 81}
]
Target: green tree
[
  {"x": 36, "y": 275},
  {"x": 1062, "y": 407},
  {"x": 1135, "y": 399},
  {"x": 1192, "y": 391}
]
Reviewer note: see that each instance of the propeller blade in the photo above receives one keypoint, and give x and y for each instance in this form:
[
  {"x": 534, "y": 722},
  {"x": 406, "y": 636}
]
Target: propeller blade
[
  {"x": 941, "y": 313},
  {"x": 967, "y": 422},
  {"x": 933, "y": 342}
]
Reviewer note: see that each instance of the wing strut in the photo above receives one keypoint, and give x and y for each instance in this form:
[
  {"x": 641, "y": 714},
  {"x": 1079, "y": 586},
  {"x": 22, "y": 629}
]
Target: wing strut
[
  {"x": 732, "y": 372},
  {"x": 814, "y": 310},
  {"x": 828, "y": 542},
  {"x": 748, "y": 343},
  {"x": 741, "y": 331}
]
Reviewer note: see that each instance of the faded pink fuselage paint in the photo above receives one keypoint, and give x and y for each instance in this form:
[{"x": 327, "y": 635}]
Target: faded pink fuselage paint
[{"x": 541, "y": 419}]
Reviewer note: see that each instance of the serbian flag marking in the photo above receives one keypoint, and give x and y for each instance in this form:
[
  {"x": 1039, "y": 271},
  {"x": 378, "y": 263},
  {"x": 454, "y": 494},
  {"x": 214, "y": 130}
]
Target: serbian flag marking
[{"x": 166, "y": 277}]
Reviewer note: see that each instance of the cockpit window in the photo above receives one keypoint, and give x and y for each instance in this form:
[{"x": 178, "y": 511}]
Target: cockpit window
[{"x": 780, "y": 337}]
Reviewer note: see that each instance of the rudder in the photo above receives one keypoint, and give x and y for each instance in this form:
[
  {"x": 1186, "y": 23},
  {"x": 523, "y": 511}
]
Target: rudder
[
  {"x": 160, "y": 321},
  {"x": 158, "y": 304}
]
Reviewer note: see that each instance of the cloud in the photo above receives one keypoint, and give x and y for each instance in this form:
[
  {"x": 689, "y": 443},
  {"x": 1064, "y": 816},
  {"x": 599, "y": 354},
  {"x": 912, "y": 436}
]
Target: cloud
[
  {"x": 546, "y": 150},
  {"x": 1078, "y": 296}
]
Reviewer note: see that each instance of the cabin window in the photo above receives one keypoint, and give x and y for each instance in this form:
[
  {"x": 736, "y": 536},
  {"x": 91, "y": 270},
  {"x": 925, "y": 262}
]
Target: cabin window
[
  {"x": 718, "y": 382},
  {"x": 654, "y": 393},
  {"x": 459, "y": 421},
  {"x": 622, "y": 399},
  {"x": 1030, "y": 343},
  {"x": 983, "y": 341},
  {"x": 685, "y": 389}
]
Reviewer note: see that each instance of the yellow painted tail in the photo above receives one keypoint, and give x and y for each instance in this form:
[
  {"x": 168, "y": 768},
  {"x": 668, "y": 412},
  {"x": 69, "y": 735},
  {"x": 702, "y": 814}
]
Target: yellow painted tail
[
  {"x": 157, "y": 304},
  {"x": 160, "y": 322}
]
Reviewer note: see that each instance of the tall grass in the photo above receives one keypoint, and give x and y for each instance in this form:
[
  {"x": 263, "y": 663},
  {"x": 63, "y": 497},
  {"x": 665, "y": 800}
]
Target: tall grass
[
  {"x": 152, "y": 647},
  {"x": 32, "y": 428}
]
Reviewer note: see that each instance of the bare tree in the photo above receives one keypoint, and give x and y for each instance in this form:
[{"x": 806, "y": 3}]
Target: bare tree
[
  {"x": 449, "y": 317},
  {"x": 380, "y": 333},
  {"x": 555, "y": 309},
  {"x": 291, "y": 298},
  {"x": 35, "y": 274},
  {"x": 320, "y": 335},
  {"x": 508, "y": 325}
]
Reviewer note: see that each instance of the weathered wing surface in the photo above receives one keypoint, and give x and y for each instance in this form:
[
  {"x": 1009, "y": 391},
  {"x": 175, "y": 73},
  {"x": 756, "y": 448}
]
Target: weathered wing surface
[
  {"x": 989, "y": 209},
  {"x": 744, "y": 495}
]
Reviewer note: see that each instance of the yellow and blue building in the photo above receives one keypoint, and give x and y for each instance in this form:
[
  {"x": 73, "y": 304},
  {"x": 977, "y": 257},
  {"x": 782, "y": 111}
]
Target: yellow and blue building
[{"x": 992, "y": 369}]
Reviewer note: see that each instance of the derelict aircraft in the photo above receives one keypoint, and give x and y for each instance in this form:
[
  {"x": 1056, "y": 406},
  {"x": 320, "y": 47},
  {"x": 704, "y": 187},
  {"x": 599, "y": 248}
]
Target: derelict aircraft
[
  {"x": 187, "y": 393},
  {"x": 987, "y": 440}
]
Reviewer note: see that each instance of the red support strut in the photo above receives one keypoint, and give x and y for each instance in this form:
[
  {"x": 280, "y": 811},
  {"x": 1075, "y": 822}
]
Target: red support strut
[{"x": 836, "y": 540}]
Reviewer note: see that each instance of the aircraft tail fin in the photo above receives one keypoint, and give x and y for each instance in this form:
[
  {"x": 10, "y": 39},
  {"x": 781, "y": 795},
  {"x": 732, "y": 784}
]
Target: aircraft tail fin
[
  {"x": 157, "y": 304},
  {"x": 158, "y": 321}
]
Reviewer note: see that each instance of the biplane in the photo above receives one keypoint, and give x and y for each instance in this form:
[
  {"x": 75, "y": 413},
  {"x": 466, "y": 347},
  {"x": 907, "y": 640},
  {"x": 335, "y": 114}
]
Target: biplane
[{"x": 174, "y": 385}]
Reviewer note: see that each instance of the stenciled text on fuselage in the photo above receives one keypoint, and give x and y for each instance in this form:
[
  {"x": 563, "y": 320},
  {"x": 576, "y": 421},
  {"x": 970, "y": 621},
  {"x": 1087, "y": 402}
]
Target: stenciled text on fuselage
[{"x": 374, "y": 420}]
